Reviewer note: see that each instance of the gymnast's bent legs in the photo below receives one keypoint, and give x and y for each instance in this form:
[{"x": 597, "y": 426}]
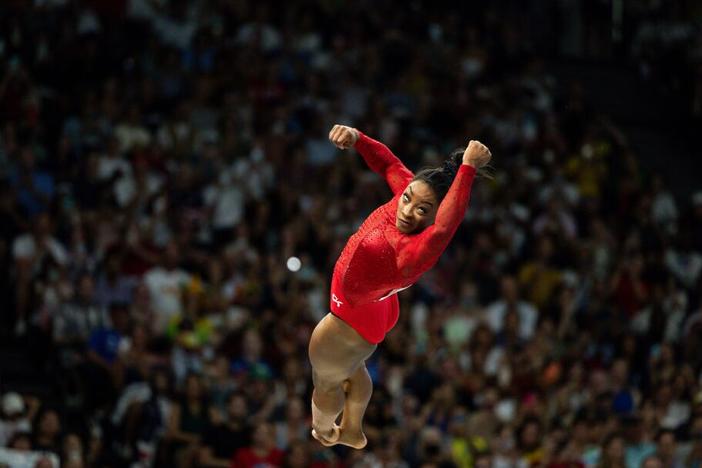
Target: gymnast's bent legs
[{"x": 341, "y": 382}]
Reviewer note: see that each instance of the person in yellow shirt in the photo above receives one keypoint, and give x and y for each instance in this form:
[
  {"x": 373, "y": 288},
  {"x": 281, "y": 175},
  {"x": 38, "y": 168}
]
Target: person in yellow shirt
[{"x": 538, "y": 278}]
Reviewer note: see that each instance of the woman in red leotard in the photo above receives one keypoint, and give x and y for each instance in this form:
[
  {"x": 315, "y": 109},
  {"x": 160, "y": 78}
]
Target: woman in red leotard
[{"x": 394, "y": 246}]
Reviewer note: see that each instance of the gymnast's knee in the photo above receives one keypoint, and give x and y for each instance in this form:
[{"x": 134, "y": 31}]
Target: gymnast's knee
[{"x": 325, "y": 383}]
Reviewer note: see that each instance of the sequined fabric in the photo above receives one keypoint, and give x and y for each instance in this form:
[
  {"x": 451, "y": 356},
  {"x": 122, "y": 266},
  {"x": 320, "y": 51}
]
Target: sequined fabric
[{"x": 378, "y": 259}]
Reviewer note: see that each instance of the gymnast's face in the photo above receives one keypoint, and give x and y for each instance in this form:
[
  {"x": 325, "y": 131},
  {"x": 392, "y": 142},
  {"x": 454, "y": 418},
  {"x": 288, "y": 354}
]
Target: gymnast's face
[{"x": 416, "y": 208}]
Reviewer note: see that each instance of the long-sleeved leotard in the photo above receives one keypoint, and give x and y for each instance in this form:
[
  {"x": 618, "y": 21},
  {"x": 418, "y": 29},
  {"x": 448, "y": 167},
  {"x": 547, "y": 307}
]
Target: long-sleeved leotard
[{"x": 379, "y": 260}]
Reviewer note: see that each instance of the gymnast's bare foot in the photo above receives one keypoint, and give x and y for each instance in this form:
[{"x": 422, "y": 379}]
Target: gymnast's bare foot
[
  {"x": 350, "y": 438},
  {"x": 354, "y": 438},
  {"x": 329, "y": 439}
]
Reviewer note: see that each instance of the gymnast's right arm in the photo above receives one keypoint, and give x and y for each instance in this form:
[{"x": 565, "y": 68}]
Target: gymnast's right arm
[{"x": 378, "y": 156}]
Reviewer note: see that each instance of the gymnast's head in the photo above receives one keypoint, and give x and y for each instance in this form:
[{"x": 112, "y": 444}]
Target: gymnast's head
[{"x": 418, "y": 204}]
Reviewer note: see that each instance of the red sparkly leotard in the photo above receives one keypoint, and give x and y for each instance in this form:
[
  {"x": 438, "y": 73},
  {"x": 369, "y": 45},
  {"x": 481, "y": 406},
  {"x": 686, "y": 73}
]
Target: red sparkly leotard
[{"x": 379, "y": 260}]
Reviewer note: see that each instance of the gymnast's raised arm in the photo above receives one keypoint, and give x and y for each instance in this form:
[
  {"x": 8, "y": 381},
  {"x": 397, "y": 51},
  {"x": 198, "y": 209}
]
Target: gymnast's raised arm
[
  {"x": 420, "y": 252},
  {"x": 378, "y": 156}
]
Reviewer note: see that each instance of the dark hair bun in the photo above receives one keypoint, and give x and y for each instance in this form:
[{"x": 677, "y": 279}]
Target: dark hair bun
[
  {"x": 440, "y": 178},
  {"x": 452, "y": 163}
]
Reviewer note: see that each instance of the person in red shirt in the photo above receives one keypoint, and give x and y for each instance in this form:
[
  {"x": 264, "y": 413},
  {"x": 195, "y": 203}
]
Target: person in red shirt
[
  {"x": 262, "y": 453},
  {"x": 394, "y": 246}
]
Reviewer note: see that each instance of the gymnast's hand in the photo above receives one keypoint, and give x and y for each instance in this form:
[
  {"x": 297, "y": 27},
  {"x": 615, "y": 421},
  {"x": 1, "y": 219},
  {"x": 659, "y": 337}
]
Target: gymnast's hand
[
  {"x": 476, "y": 154},
  {"x": 343, "y": 137}
]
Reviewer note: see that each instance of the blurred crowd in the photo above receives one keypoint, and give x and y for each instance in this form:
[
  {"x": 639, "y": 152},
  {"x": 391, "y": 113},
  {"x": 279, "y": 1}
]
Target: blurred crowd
[
  {"x": 666, "y": 45},
  {"x": 160, "y": 161}
]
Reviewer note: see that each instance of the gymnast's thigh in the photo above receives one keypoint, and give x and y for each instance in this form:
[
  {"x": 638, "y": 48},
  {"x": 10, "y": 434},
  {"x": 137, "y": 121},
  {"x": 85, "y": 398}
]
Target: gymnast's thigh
[{"x": 336, "y": 350}]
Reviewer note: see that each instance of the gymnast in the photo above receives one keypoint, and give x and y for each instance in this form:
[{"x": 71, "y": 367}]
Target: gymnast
[{"x": 394, "y": 246}]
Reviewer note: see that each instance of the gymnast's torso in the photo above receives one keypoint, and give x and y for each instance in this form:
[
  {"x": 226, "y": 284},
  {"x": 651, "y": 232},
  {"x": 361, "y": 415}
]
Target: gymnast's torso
[{"x": 367, "y": 269}]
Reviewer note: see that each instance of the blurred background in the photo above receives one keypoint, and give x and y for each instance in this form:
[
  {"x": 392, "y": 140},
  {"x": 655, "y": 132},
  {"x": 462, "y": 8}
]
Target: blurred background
[{"x": 161, "y": 160}]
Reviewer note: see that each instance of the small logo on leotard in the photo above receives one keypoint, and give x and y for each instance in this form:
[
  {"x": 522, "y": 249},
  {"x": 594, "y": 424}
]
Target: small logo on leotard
[{"x": 336, "y": 300}]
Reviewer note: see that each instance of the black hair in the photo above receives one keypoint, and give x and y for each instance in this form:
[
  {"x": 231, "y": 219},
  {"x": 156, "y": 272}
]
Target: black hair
[
  {"x": 235, "y": 394},
  {"x": 17, "y": 436},
  {"x": 440, "y": 178},
  {"x": 664, "y": 431},
  {"x": 611, "y": 437}
]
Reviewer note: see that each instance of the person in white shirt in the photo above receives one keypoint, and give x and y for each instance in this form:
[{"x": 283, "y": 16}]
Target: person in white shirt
[
  {"x": 13, "y": 417},
  {"x": 113, "y": 166},
  {"x": 165, "y": 284},
  {"x": 33, "y": 247},
  {"x": 131, "y": 132},
  {"x": 664, "y": 211},
  {"x": 32, "y": 252},
  {"x": 527, "y": 312}
]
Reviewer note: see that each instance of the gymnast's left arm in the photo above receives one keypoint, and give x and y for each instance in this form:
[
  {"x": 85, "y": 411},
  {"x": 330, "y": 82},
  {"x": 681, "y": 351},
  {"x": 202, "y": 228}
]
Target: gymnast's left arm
[{"x": 419, "y": 253}]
